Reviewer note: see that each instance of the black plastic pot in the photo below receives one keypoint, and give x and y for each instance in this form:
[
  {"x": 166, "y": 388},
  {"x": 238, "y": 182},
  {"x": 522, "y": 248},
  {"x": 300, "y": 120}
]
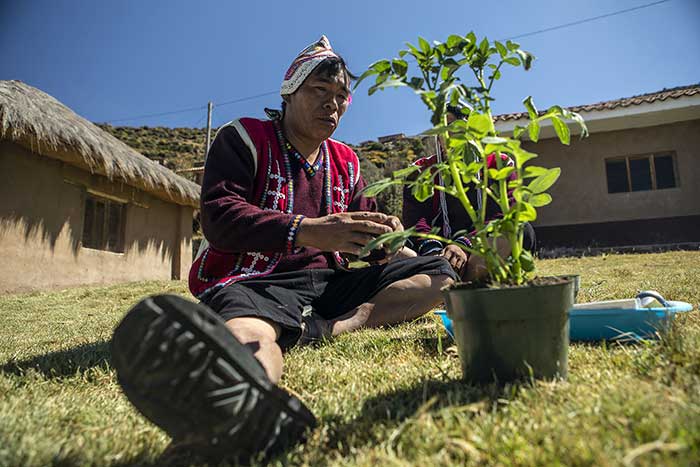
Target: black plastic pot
[{"x": 512, "y": 333}]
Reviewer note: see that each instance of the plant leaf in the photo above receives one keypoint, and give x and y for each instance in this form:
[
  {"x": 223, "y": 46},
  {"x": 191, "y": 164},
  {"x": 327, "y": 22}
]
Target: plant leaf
[
  {"x": 561, "y": 129},
  {"x": 454, "y": 41},
  {"x": 540, "y": 199},
  {"x": 501, "y": 174},
  {"x": 526, "y": 261},
  {"x": 512, "y": 61},
  {"x": 534, "y": 171},
  {"x": 522, "y": 156},
  {"x": 544, "y": 181},
  {"x": 480, "y": 123},
  {"x": 502, "y": 51},
  {"x": 530, "y": 106},
  {"x": 373, "y": 189},
  {"x": 364, "y": 75},
  {"x": 403, "y": 173},
  {"x": 423, "y": 191},
  {"x": 518, "y": 131},
  {"x": 424, "y": 45},
  {"x": 389, "y": 83},
  {"x": 399, "y": 66},
  {"x": 534, "y": 130},
  {"x": 494, "y": 140},
  {"x": 527, "y": 213}
]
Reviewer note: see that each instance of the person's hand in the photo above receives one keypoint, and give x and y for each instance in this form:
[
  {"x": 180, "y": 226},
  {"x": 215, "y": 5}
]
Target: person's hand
[
  {"x": 347, "y": 232},
  {"x": 456, "y": 256}
]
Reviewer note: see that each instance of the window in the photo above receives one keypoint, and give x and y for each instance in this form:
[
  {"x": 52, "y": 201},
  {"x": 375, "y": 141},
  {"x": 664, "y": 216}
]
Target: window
[
  {"x": 103, "y": 224},
  {"x": 641, "y": 173}
]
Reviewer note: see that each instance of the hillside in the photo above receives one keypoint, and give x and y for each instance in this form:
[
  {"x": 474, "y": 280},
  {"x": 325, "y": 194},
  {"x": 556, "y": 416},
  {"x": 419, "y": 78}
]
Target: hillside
[
  {"x": 183, "y": 148},
  {"x": 175, "y": 148}
]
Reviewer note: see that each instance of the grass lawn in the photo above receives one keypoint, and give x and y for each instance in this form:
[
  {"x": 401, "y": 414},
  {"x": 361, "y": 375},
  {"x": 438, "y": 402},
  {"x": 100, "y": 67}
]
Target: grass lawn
[{"x": 383, "y": 397}]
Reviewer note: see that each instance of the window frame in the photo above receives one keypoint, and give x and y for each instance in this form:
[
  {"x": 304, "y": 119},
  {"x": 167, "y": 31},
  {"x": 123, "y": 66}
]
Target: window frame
[
  {"x": 650, "y": 157},
  {"x": 109, "y": 203}
]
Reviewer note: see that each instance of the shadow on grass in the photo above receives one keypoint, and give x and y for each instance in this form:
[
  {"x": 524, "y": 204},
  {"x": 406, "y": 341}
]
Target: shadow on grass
[
  {"x": 63, "y": 363},
  {"x": 395, "y": 408}
]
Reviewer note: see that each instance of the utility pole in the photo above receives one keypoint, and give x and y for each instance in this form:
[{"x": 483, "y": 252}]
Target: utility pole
[{"x": 210, "y": 108}]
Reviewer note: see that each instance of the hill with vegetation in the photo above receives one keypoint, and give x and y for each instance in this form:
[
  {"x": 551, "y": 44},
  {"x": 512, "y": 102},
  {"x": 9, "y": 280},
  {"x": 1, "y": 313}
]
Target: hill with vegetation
[{"x": 183, "y": 148}]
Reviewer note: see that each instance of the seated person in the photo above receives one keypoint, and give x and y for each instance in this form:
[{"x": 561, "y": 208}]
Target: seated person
[{"x": 446, "y": 213}]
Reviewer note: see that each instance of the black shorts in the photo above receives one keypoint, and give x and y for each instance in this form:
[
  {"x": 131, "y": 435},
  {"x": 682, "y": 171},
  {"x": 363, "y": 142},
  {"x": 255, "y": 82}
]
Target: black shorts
[{"x": 281, "y": 297}]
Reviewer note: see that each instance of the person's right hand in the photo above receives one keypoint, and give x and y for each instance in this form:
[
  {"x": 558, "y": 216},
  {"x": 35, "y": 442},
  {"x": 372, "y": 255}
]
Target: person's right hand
[{"x": 347, "y": 232}]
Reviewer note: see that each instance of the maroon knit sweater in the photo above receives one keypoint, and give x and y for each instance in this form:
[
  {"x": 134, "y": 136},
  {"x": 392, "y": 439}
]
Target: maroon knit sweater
[{"x": 232, "y": 224}]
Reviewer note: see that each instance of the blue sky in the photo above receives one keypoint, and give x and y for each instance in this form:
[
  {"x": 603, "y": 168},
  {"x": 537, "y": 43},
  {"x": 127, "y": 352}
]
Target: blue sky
[{"x": 116, "y": 60}]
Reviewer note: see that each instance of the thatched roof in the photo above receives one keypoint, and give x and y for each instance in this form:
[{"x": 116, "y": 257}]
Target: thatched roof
[{"x": 42, "y": 124}]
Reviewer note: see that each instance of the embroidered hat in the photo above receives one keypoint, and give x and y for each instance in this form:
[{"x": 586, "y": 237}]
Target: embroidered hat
[{"x": 302, "y": 66}]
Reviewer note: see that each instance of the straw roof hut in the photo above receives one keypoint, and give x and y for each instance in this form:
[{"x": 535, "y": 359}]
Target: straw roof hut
[
  {"x": 39, "y": 122},
  {"x": 82, "y": 204}
]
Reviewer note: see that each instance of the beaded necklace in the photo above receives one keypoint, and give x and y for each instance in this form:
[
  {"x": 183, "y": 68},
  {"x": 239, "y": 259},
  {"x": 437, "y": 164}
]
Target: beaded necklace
[{"x": 287, "y": 149}]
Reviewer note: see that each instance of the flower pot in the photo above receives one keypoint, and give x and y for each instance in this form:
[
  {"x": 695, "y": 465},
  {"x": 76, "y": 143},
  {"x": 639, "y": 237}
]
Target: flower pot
[{"x": 511, "y": 333}]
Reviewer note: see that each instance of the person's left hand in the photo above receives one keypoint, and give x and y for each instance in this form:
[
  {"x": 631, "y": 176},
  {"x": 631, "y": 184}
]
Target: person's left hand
[{"x": 456, "y": 256}]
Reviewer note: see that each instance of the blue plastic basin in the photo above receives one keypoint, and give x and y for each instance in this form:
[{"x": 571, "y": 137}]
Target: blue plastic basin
[{"x": 610, "y": 323}]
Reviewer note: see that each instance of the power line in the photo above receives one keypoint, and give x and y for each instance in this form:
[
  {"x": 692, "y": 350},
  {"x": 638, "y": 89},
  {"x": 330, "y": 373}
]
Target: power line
[
  {"x": 160, "y": 114},
  {"x": 587, "y": 20},
  {"x": 527, "y": 34},
  {"x": 249, "y": 98}
]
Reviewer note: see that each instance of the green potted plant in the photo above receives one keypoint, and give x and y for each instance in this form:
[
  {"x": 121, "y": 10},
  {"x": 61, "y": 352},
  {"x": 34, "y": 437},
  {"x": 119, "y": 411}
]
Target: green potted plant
[{"x": 510, "y": 325}]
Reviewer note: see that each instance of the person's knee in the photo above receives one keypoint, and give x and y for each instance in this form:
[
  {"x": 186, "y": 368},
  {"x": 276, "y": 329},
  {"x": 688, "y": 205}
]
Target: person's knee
[
  {"x": 254, "y": 332},
  {"x": 428, "y": 282},
  {"x": 260, "y": 336}
]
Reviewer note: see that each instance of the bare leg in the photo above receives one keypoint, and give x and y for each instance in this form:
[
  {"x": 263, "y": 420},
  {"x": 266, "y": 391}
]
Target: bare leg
[
  {"x": 401, "y": 301},
  {"x": 261, "y": 337}
]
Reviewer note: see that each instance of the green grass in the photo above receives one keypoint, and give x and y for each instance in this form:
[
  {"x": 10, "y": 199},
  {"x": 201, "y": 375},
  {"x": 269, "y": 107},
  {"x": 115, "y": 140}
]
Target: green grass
[{"x": 383, "y": 397}]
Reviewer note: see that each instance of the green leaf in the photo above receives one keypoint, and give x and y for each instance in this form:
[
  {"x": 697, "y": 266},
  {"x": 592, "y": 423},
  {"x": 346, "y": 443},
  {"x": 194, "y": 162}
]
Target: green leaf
[
  {"x": 424, "y": 45},
  {"x": 381, "y": 66},
  {"x": 415, "y": 52},
  {"x": 389, "y": 83},
  {"x": 534, "y": 130},
  {"x": 416, "y": 83},
  {"x": 364, "y": 75},
  {"x": 454, "y": 41},
  {"x": 530, "y": 106},
  {"x": 540, "y": 199},
  {"x": 518, "y": 131},
  {"x": 512, "y": 45},
  {"x": 544, "y": 181},
  {"x": 534, "y": 171},
  {"x": 501, "y": 174},
  {"x": 561, "y": 129},
  {"x": 494, "y": 140},
  {"x": 423, "y": 191},
  {"x": 526, "y": 261},
  {"x": 512, "y": 61},
  {"x": 373, "y": 189},
  {"x": 403, "y": 173},
  {"x": 471, "y": 37},
  {"x": 502, "y": 51},
  {"x": 518, "y": 194},
  {"x": 522, "y": 156},
  {"x": 526, "y": 58},
  {"x": 484, "y": 45},
  {"x": 527, "y": 212},
  {"x": 399, "y": 66},
  {"x": 480, "y": 123},
  {"x": 578, "y": 119}
]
